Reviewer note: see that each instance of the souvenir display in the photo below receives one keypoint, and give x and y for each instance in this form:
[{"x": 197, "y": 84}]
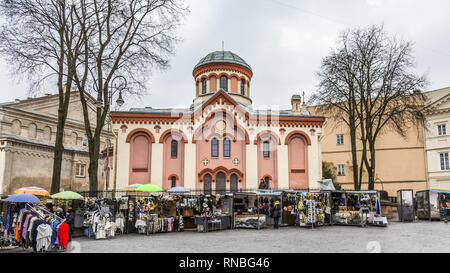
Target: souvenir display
[
  {"x": 354, "y": 207},
  {"x": 102, "y": 217},
  {"x": 155, "y": 214},
  {"x": 312, "y": 208}
]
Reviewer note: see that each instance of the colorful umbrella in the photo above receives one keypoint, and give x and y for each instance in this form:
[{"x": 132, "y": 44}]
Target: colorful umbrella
[
  {"x": 22, "y": 198},
  {"x": 178, "y": 189},
  {"x": 67, "y": 195},
  {"x": 132, "y": 187},
  {"x": 33, "y": 191},
  {"x": 149, "y": 188}
]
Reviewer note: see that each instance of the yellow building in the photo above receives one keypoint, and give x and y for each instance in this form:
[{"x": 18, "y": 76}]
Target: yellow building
[{"x": 400, "y": 162}]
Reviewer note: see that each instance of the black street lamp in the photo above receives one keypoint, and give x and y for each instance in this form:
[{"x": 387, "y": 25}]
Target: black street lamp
[{"x": 119, "y": 102}]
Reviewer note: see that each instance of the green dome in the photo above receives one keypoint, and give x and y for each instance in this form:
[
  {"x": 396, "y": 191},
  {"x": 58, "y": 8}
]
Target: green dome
[{"x": 222, "y": 57}]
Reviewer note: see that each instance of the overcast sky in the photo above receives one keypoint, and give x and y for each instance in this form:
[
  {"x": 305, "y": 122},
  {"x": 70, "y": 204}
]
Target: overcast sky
[{"x": 284, "y": 41}]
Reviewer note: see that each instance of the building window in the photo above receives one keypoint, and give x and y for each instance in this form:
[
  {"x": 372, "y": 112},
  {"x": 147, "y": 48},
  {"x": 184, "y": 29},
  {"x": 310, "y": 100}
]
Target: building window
[
  {"x": 341, "y": 170},
  {"x": 226, "y": 147},
  {"x": 224, "y": 83},
  {"x": 80, "y": 170},
  {"x": 445, "y": 166},
  {"x": 340, "y": 139},
  {"x": 266, "y": 149},
  {"x": 242, "y": 87},
  {"x": 174, "y": 149},
  {"x": 214, "y": 147},
  {"x": 442, "y": 130},
  {"x": 204, "y": 86},
  {"x": 85, "y": 141},
  {"x": 174, "y": 181}
]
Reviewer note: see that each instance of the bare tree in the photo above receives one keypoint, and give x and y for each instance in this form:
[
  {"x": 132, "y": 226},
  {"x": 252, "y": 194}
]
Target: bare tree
[
  {"x": 121, "y": 38},
  {"x": 337, "y": 98},
  {"x": 387, "y": 88},
  {"x": 35, "y": 38},
  {"x": 369, "y": 84}
]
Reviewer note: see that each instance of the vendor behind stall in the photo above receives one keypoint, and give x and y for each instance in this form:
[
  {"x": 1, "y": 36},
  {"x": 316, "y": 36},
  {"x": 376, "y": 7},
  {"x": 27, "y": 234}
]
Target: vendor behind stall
[{"x": 275, "y": 213}]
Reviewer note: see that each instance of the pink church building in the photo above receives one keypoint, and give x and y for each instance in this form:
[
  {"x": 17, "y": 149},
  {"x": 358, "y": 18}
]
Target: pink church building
[{"x": 221, "y": 142}]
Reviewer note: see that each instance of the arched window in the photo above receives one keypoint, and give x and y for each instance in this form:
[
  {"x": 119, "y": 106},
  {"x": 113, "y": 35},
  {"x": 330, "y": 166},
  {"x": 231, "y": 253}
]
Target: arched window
[
  {"x": 224, "y": 83},
  {"x": 226, "y": 147},
  {"x": 242, "y": 87},
  {"x": 207, "y": 184},
  {"x": 204, "y": 86},
  {"x": 214, "y": 147},
  {"x": 266, "y": 149},
  {"x": 234, "y": 183},
  {"x": 174, "y": 181},
  {"x": 221, "y": 183},
  {"x": 174, "y": 149}
]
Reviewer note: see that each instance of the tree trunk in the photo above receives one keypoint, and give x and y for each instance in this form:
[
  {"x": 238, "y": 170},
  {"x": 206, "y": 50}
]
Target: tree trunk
[
  {"x": 64, "y": 98},
  {"x": 94, "y": 151},
  {"x": 372, "y": 166},
  {"x": 356, "y": 183},
  {"x": 57, "y": 161}
]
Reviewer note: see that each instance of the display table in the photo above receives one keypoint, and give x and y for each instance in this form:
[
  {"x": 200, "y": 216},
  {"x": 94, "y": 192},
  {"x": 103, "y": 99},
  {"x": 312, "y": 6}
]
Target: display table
[
  {"x": 347, "y": 218},
  {"x": 213, "y": 223},
  {"x": 250, "y": 221}
]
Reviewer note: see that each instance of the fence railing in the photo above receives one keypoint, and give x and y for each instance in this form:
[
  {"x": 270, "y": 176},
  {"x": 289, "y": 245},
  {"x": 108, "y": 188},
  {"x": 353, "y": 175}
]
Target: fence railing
[{"x": 120, "y": 193}]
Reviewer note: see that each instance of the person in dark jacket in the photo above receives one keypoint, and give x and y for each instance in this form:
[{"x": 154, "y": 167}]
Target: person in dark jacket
[
  {"x": 276, "y": 213},
  {"x": 70, "y": 217}
]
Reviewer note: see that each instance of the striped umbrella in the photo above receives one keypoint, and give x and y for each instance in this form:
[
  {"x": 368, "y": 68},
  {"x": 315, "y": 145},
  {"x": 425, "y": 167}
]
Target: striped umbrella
[
  {"x": 132, "y": 187},
  {"x": 33, "y": 191}
]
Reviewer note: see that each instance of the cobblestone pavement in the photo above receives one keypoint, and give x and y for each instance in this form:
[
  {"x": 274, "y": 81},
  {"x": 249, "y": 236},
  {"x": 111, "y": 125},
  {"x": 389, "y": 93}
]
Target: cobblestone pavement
[{"x": 397, "y": 237}]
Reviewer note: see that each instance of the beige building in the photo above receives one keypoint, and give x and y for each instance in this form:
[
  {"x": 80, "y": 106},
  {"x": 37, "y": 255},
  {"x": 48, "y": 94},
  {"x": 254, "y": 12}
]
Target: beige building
[
  {"x": 437, "y": 137},
  {"x": 400, "y": 163},
  {"x": 27, "y": 137}
]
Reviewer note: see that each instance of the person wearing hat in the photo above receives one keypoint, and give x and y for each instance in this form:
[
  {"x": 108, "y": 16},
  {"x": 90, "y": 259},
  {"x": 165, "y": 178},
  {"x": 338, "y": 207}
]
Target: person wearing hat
[{"x": 276, "y": 213}]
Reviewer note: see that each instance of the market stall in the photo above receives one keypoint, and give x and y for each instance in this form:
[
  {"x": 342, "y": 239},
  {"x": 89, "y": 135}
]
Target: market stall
[
  {"x": 155, "y": 214},
  {"x": 102, "y": 218},
  {"x": 433, "y": 204},
  {"x": 252, "y": 209},
  {"x": 289, "y": 203},
  {"x": 356, "y": 208},
  {"x": 405, "y": 205},
  {"x": 212, "y": 212},
  {"x": 32, "y": 226}
]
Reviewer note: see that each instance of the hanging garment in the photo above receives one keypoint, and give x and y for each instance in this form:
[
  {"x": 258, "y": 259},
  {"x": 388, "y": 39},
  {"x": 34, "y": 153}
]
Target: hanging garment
[
  {"x": 25, "y": 226},
  {"x": 99, "y": 225},
  {"x": 30, "y": 227},
  {"x": 44, "y": 237},
  {"x": 17, "y": 234},
  {"x": 34, "y": 232},
  {"x": 63, "y": 234},
  {"x": 120, "y": 222},
  {"x": 54, "y": 225},
  {"x": 110, "y": 229}
]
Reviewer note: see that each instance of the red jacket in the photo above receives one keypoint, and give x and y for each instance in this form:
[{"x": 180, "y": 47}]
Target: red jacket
[{"x": 63, "y": 234}]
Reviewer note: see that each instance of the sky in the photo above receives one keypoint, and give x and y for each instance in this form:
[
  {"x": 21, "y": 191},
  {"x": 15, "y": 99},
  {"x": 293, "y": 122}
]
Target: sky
[{"x": 284, "y": 42}]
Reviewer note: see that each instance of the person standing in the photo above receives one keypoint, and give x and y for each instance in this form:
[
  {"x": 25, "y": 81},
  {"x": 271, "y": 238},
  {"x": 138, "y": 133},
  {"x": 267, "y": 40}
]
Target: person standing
[{"x": 276, "y": 213}]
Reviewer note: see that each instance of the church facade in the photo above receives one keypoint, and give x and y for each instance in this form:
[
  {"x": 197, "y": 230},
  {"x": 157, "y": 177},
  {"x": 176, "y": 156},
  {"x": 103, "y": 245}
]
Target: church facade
[{"x": 221, "y": 142}]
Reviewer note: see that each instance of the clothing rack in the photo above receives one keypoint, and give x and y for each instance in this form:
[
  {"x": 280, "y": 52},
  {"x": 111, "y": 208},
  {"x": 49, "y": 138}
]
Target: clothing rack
[{"x": 38, "y": 212}]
